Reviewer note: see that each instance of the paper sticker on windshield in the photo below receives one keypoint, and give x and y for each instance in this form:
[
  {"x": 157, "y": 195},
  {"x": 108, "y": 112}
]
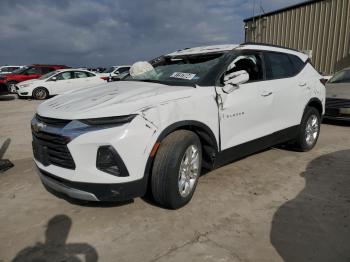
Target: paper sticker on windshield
[{"x": 187, "y": 76}]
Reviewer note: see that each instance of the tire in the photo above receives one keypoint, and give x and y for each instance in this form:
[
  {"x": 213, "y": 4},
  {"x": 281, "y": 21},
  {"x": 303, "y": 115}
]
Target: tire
[
  {"x": 309, "y": 130},
  {"x": 168, "y": 184},
  {"x": 11, "y": 86},
  {"x": 40, "y": 93}
]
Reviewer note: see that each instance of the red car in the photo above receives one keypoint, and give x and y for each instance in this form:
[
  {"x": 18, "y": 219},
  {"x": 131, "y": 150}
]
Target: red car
[{"x": 27, "y": 73}]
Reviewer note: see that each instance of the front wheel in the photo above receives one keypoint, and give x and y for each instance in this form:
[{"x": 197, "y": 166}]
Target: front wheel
[
  {"x": 176, "y": 169},
  {"x": 309, "y": 130},
  {"x": 40, "y": 93}
]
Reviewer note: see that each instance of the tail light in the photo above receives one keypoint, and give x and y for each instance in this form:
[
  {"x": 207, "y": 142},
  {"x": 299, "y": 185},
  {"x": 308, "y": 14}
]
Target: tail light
[
  {"x": 323, "y": 81},
  {"x": 104, "y": 78}
]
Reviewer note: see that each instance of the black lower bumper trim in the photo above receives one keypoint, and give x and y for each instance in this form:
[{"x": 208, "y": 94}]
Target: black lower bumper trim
[{"x": 103, "y": 192}]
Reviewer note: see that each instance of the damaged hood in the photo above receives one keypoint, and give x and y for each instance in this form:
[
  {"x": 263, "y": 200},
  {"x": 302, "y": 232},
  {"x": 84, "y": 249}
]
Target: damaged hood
[{"x": 111, "y": 99}]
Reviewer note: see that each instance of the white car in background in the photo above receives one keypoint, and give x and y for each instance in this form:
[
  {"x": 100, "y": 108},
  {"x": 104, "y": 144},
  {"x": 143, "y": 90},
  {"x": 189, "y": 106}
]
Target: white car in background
[
  {"x": 8, "y": 69},
  {"x": 115, "y": 72},
  {"x": 58, "y": 82}
]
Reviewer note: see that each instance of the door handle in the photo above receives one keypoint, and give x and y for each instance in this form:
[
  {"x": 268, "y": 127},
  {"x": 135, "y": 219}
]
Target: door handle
[
  {"x": 266, "y": 93},
  {"x": 302, "y": 84}
]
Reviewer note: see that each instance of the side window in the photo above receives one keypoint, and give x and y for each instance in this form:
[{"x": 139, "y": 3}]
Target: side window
[
  {"x": 64, "y": 76},
  {"x": 297, "y": 63},
  {"x": 10, "y": 69},
  {"x": 80, "y": 74},
  {"x": 45, "y": 70},
  {"x": 90, "y": 74},
  {"x": 33, "y": 70},
  {"x": 123, "y": 70},
  {"x": 278, "y": 66},
  {"x": 250, "y": 62},
  {"x": 341, "y": 77}
]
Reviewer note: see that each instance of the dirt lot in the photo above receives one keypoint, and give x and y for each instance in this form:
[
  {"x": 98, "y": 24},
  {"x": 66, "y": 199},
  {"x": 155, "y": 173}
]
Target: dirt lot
[{"x": 277, "y": 205}]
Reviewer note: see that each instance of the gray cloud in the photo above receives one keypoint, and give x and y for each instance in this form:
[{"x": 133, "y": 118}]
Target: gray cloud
[{"x": 106, "y": 32}]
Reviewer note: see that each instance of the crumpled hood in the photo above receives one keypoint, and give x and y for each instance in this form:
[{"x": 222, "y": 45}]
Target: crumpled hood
[{"x": 111, "y": 99}]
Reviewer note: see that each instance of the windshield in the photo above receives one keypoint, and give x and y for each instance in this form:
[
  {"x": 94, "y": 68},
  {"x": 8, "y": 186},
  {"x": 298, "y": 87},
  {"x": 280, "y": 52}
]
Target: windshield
[
  {"x": 47, "y": 75},
  {"x": 19, "y": 70},
  {"x": 109, "y": 70},
  {"x": 180, "y": 70}
]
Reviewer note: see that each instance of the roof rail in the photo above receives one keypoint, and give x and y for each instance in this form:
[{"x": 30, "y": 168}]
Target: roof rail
[{"x": 264, "y": 44}]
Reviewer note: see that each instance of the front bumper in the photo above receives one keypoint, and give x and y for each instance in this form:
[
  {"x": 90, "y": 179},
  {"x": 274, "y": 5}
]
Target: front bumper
[
  {"x": 66, "y": 158},
  {"x": 22, "y": 91},
  {"x": 94, "y": 191}
]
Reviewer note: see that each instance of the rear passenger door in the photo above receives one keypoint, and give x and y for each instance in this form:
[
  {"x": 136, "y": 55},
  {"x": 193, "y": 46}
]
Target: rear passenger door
[
  {"x": 284, "y": 73},
  {"x": 86, "y": 79}
]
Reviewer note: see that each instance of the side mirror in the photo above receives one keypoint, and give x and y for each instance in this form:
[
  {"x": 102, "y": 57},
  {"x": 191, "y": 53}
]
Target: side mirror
[
  {"x": 53, "y": 78},
  {"x": 233, "y": 80}
]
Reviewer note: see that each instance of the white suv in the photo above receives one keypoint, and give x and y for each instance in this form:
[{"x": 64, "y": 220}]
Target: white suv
[{"x": 197, "y": 108}]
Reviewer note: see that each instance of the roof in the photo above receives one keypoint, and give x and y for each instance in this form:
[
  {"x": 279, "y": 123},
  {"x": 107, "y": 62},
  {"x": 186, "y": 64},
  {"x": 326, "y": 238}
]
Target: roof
[
  {"x": 203, "y": 49},
  {"x": 244, "y": 46},
  {"x": 72, "y": 69},
  {"x": 266, "y": 47},
  {"x": 282, "y": 10}
]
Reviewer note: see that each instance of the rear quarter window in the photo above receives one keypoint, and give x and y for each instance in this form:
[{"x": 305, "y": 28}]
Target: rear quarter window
[
  {"x": 279, "y": 65},
  {"x": 297, "y": 63}
]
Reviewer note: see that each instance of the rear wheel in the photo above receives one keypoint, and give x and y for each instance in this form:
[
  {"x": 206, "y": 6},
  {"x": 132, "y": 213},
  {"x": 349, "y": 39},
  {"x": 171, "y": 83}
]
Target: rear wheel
[
  {"x": 40, "y": 93},
  {"x": 309, "y": 130},
  {"x": 176, "y": 169}
]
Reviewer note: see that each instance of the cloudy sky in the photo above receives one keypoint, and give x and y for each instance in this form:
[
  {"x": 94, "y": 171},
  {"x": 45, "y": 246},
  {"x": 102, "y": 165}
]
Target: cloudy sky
[{"x": 112, "y": 32}]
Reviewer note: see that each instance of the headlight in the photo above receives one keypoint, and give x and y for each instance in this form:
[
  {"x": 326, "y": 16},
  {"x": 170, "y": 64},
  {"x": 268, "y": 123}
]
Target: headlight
[{"x": 114, "y": 120}]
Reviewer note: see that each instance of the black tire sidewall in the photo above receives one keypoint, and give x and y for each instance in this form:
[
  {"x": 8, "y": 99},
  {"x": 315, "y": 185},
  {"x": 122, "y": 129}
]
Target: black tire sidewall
[
  {"x": 301, "y": 142},
  {"x": 174, "y": 199}
]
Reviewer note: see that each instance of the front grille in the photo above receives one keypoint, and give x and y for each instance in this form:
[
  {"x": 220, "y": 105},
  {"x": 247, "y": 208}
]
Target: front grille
[
  {"x": 337, "y": 103},
  {"x": 53, "y": 121},
  {"x": 52, "y": 149}
]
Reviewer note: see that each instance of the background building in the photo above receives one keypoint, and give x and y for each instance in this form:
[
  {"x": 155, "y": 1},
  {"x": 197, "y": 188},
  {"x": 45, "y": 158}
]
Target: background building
[{"x": 321, "y": 28}]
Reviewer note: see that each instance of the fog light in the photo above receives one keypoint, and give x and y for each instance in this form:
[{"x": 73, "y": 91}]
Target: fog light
[{"x": 110, "y": 162}]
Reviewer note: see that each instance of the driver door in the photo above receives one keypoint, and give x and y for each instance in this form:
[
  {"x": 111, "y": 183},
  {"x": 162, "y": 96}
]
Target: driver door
[
  {"x": 244, "y": 112},
  {"x": 60, "y": 83}
]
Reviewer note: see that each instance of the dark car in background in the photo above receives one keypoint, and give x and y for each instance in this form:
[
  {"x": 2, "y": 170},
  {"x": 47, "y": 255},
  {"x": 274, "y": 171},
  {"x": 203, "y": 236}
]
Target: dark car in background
[
  {"x": 9, "y": 81},
  {"x": 338, "y": 96}
]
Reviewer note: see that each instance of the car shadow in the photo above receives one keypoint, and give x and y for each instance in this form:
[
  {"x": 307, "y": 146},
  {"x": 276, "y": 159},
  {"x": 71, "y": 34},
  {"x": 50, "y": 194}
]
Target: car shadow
[
  {"x": 55, "y": 246},
  {"x": 7, "y": 97},
  {"x": 315, "y": 225}
]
